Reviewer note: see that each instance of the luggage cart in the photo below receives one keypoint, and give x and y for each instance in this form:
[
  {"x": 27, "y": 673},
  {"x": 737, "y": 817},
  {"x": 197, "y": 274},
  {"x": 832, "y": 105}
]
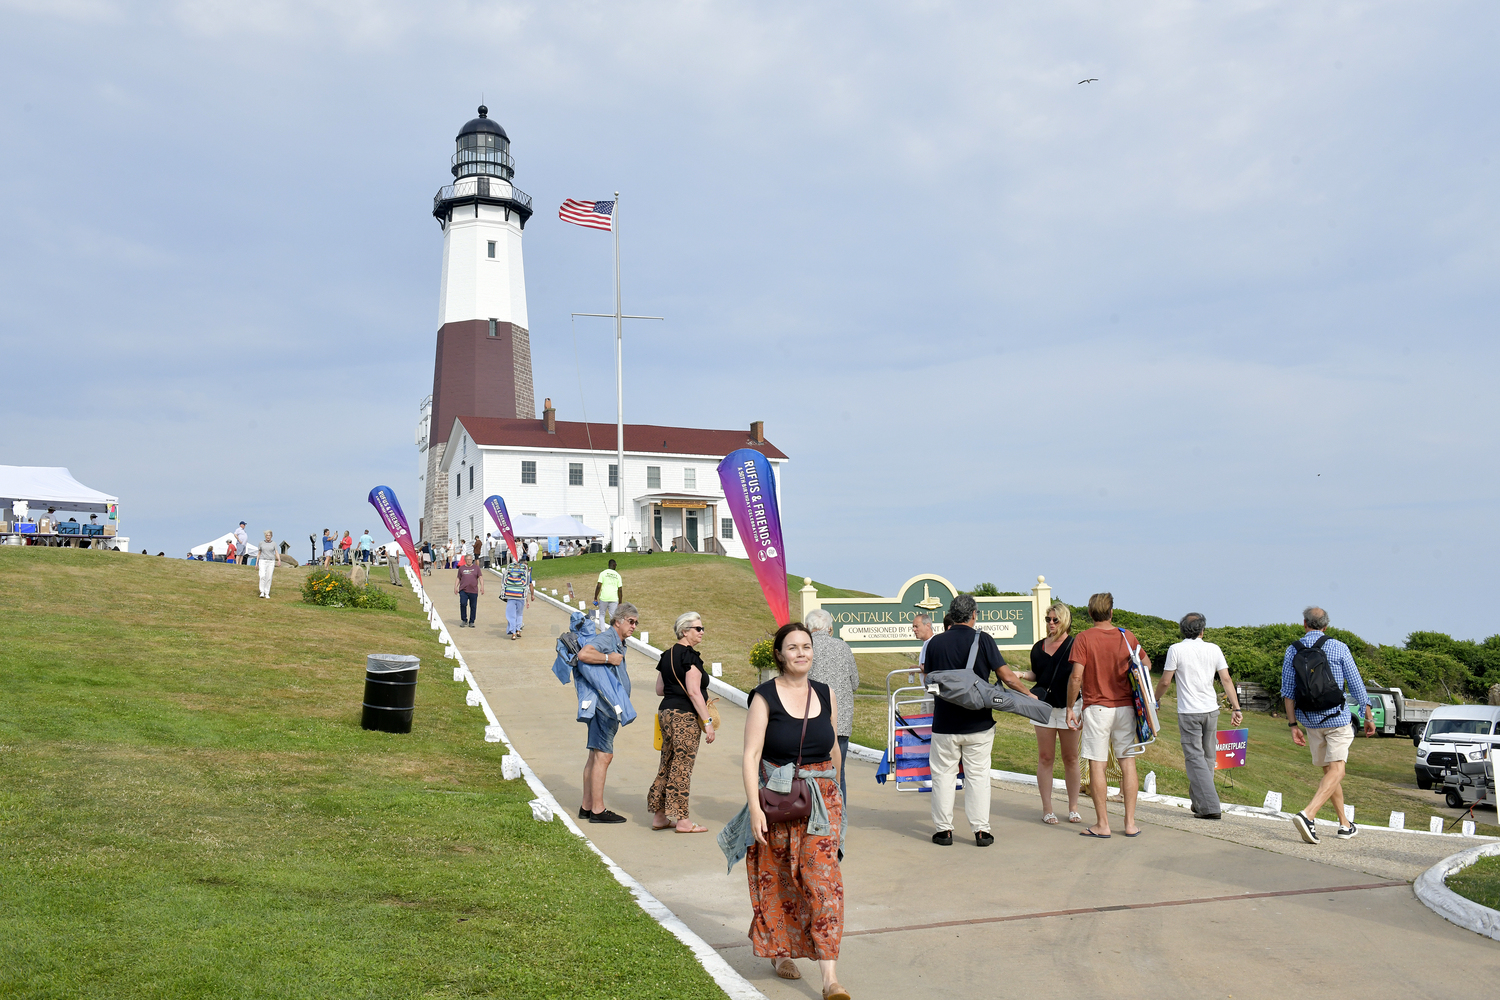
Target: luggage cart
[{"x": 909, "y": 731}]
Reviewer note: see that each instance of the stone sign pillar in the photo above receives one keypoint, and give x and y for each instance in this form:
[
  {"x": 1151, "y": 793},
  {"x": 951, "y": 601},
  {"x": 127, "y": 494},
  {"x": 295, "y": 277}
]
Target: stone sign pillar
[{"x": 809, "y": 598}]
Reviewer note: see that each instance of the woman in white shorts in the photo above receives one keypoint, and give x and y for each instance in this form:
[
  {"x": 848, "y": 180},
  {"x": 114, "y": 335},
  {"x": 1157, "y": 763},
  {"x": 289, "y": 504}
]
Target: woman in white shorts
[{"x": 1050, "y": 670}]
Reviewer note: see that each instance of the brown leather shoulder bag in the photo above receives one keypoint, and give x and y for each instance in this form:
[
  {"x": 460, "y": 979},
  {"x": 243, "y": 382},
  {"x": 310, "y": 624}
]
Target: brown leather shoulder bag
[{"x": 795, "y": 804}]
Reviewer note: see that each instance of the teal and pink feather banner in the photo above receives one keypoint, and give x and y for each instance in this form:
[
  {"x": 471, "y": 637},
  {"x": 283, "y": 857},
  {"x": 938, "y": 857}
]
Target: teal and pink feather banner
[{"x": 750, "y": 494}]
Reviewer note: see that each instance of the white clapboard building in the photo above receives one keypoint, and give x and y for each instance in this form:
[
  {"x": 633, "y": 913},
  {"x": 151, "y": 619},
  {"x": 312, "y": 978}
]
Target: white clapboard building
[{"x": 550, "y": 467}]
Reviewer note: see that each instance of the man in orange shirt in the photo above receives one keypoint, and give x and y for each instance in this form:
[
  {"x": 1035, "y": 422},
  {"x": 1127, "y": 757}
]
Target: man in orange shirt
[{"x": 1101, "y": 671}]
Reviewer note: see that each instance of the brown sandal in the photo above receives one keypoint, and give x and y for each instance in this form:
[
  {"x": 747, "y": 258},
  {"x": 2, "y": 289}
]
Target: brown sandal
[
  {"x": 787, "y": 969},
  {"x": 835, "y": 992}
]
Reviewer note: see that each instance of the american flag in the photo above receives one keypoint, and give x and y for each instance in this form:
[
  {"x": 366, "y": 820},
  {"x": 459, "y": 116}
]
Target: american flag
[{"x": 594, "y": 214}]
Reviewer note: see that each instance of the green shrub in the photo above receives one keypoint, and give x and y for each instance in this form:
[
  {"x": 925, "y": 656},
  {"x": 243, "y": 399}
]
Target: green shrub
[
  {"x": 763, "y": 655},
  {"x": 336, "y": 590}
]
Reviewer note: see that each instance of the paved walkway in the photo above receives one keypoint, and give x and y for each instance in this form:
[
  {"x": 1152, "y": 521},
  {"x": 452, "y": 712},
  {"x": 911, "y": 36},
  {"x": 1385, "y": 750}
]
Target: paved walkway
[{"x": 1042, "y": 909}]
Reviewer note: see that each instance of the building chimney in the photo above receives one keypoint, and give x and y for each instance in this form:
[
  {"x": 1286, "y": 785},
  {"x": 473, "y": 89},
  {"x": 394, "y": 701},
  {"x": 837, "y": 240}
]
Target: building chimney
[
  {"x": 549, "y": 415},
  {"x": 758, "y": 432}
]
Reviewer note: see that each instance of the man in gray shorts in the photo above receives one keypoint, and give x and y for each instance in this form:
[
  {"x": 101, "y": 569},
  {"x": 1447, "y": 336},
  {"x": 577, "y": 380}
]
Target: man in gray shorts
[
  {"x": 1329, "y": 730},
  {"x": 608, "y": 648}
]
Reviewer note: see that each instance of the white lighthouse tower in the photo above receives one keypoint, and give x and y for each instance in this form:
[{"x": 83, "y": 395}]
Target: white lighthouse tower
[{"x": 483, "y": 363}]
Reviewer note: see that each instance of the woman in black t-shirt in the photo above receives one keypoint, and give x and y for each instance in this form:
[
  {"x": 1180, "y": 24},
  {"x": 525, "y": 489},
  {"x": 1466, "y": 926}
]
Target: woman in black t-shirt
[
  {"x": 683, "y": 714},
  {"x": 1050, "y": 669},
  {"x": 796, "y": 888}
]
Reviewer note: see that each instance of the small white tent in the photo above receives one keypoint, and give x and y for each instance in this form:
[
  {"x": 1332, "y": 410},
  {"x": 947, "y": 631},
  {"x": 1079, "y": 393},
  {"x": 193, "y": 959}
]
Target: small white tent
[{"x": 220, "y": 545}]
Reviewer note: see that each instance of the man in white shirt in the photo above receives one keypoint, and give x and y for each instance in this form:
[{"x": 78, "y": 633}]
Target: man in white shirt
[
  {"x": 242, "y": 543},
  {"x": 1194, "y": 663}
]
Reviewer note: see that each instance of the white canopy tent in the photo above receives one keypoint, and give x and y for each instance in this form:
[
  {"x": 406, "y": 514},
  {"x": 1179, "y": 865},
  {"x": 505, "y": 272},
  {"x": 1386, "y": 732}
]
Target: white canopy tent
[
  {"x": 40, "y": 487},
  {"x": 220, "y": 544},
  {"x": 562, "y": 526}
]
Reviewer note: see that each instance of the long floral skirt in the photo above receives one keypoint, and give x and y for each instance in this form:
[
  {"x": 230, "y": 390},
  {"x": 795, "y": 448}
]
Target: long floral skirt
[
  {"x": 796, "y": 888},
  {"x": 668, "y": 794}
]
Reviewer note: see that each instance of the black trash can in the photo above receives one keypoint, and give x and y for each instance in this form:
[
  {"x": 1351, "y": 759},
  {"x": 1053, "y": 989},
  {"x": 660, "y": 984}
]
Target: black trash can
[{"x": 390, "y": 692}]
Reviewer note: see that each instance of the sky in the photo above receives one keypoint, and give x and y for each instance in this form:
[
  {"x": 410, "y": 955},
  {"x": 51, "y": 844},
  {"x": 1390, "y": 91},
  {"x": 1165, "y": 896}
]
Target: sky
[{"x": 1214, "y": 332}]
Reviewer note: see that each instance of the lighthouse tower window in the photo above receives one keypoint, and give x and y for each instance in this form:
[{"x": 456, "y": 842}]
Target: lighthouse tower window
[
  {"x": 494, "y": 328},
  {"x": 492, "y": 249}
]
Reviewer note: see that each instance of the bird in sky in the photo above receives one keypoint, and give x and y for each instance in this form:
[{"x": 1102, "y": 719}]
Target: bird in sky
[{"x": 1092, "y": 79}]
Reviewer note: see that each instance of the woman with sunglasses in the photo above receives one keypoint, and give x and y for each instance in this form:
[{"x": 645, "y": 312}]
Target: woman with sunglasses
[
  {"x": 683, "y": 684},
  {"x": 1050, "y": 670}
]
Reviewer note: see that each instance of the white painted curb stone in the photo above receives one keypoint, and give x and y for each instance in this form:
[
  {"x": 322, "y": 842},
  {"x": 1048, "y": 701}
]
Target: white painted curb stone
[
  {"x": 1432, "y": 889},
  {"x": 471, "y": 698}
]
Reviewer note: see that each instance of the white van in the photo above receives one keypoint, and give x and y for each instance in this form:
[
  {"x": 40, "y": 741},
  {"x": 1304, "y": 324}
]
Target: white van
[{"x": 1478, "y": 720}]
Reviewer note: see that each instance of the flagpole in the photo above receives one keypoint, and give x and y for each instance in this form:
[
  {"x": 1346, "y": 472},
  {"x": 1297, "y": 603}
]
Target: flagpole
[{"x": 618, "y": 540}]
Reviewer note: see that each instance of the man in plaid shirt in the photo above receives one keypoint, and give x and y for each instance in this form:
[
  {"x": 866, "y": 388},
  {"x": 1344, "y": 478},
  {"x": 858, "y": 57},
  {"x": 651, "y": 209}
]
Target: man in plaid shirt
[{"x": 1329, "y": 733}]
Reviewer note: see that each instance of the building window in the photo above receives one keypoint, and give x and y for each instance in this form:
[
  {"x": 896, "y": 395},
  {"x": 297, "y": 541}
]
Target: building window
[
  {"x": 458, "y": 484},
  {"x": 575, "y": 473},
  {"x": 494, "y": 328},
  {"x": 528, "y": 472},
  {"x": 690, "y": 479},
  {"x": 492, "y": 249},
  {"x": 614, "y": 475},
  {"x": 653, "y": 477},
  {"x": 471, "y": 479},
  {"x": 726, "y": 527}
]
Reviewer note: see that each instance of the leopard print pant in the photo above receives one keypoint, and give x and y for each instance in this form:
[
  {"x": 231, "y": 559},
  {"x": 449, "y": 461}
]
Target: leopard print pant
[{"x": 680, "y": 734}]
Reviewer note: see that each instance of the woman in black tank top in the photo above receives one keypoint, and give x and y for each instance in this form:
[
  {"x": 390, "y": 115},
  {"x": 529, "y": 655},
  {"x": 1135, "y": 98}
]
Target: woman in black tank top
[{"x": 796, "y": 888}]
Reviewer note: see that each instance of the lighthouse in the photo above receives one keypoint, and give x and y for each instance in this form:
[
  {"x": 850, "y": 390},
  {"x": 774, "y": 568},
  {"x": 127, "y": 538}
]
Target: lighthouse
[{"x": 483, "y": 360}]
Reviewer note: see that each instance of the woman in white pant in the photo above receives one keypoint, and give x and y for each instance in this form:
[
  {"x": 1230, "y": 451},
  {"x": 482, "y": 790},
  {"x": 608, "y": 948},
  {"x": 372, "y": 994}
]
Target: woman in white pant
[{"x": 265, "y": 559}]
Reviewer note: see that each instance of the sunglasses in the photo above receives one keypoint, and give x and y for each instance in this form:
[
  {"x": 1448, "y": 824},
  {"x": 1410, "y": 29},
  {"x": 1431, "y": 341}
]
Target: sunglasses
[
  {"x": 631, "y": 621},
  {"x": 697, "y": 627},
  {"x": 1054, "y": 621}
]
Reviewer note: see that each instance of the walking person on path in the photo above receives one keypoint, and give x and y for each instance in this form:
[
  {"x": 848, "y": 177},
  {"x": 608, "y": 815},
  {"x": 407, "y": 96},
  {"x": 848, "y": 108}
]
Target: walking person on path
[
  {"x": 1194, "y": 664},
  {"x": 964, "y": 734},
  {"x": 607, "y": 648},
  {"x": 1050, "y": 669},
  {"x": 265, "y": 561},
  {"x": 684, "y": 717},
  {"x": 796, "y": 887},
  {"x": 608, "y": 592},
  {"x": 833, "y": 664},
  {"x": 1314, "y": 673},
  {"x": 1101, "y": 664},
  {"x": 517, "y": 590},
  {"x": 426, "y": 557},
  {"x": 468, "y": 584}
]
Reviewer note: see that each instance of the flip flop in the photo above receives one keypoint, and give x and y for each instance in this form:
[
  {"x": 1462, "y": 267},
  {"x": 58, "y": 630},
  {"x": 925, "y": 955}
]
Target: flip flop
[
  {"x": 695, "y": 829},
  {"x": 664, "y": 826},
  {"x": 1096, "y": 836},
  {"x": 1136, "y": 834}
]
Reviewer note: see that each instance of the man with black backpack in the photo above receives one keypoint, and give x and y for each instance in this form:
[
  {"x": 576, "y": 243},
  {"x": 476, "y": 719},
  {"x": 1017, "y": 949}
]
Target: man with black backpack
[{"x": 1314, "y": 673}]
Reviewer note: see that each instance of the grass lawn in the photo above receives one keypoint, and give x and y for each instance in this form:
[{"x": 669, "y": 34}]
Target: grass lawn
[
  {"x": 1479, "y": 882},
  {"x": 189, "y": 808}
]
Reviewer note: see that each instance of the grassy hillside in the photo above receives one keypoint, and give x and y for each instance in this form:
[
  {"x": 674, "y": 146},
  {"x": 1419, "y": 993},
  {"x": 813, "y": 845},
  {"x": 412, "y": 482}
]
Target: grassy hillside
[{"x": 189, "y": 808}]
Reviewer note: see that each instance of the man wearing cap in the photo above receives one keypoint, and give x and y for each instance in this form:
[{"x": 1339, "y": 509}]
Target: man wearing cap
[{"x": 242, "y": 543}]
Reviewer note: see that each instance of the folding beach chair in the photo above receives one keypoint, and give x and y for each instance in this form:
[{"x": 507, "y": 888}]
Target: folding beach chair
[
  {"x": 908, "y": 745},
  {"x": 1147, "y": 724}
]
